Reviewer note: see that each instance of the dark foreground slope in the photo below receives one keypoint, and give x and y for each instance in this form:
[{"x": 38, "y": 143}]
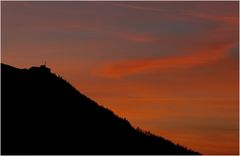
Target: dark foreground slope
[{"x": 44, "y": 114}]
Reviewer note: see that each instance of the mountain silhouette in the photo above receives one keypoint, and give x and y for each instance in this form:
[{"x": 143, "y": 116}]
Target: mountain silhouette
[{"x": 44, "y": 114}]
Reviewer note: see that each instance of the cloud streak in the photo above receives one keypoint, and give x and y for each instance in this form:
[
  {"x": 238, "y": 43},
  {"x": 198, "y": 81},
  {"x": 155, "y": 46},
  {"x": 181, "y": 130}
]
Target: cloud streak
[
  {"x": 210, "y": 54},
  {"x": 124, "y": 5}
]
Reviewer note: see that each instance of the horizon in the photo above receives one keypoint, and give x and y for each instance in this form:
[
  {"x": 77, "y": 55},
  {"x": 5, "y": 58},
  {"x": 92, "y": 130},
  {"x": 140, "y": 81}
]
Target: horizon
[{"x": 168, "y": 67}]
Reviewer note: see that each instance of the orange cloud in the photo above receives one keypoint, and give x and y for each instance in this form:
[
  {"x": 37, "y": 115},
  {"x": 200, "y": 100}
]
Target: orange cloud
[{"x": 211, "y": 53}]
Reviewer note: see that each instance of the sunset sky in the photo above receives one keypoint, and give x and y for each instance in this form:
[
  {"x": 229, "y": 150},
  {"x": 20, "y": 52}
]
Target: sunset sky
[{"x": 168, "y": 67}]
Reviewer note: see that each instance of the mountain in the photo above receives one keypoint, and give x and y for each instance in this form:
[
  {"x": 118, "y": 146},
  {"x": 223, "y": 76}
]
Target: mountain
[{"x": 44, "y": 114}]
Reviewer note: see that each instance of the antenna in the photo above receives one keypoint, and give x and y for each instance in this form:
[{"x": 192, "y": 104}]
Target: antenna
[{"x": 45, "y": 63}]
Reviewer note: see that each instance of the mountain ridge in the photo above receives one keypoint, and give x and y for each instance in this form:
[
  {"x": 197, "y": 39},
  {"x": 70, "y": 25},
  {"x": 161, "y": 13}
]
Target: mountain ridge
[{"x": 44, "y": 114}]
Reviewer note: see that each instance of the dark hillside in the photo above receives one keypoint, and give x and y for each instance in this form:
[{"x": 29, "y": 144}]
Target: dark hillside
[{"x": 44, "y": 114}]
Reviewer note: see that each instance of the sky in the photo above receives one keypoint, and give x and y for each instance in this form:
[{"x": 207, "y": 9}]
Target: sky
[{"x": 168, "y": 67}]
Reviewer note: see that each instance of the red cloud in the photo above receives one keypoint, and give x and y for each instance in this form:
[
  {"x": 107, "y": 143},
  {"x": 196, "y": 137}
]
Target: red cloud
[{"x": 210, "y": 54}]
